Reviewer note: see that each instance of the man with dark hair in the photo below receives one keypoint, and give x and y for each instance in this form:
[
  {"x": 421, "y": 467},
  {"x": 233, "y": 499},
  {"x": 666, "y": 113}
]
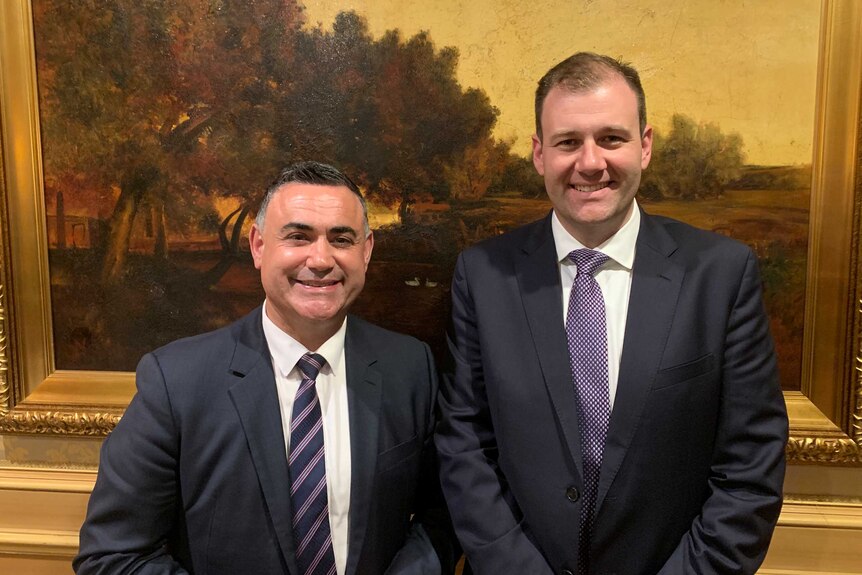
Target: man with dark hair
[
  {"x": 297, "y": 440},
  {"x": 612, "y": 405}
]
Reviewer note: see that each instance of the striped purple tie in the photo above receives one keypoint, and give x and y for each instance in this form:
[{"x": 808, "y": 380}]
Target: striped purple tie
[
  {"x": 311, "y": 533},
  {"x": 588, "y": 352}
]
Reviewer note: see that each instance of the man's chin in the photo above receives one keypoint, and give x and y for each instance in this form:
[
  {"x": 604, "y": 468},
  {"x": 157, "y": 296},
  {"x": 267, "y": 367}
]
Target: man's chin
[{"x": 322, "y": 314}]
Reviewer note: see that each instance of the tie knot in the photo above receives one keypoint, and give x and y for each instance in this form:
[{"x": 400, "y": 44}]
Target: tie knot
[
  {"x": 587, "y": 260},
  {"x": 310, "y": 364}
]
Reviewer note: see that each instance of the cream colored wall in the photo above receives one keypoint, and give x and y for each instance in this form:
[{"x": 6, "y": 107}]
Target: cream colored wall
[
  {"x": 42, "y": 510},
  {"x": 820, "y": 529}
]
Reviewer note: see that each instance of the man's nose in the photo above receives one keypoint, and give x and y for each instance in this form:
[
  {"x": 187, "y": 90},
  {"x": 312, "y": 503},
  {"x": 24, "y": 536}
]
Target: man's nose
[
  {"x": 591, "y": 158},
  {"x": 320, "y": 254}
]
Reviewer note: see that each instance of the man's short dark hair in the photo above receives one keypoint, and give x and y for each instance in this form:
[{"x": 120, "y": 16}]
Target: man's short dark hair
[
  {"x": 584, "y": 71},
  {"x": 315, "y": 173}
]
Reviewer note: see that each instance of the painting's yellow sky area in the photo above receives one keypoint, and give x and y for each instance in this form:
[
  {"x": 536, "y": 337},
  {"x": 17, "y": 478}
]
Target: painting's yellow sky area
[{"x": 747, "y": 65}]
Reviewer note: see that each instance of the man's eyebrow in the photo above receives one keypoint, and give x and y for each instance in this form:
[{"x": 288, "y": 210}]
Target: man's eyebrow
[
  {"x": 296, "y": 226},
  {"x": 565, "y": 133},
  {"x": 291, "y": 226},
  {"x": 343, "y": 230},
  {"x": 610, "y": 128}
]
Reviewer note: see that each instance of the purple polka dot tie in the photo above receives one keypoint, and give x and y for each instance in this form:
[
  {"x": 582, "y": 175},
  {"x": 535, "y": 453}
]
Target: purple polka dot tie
[
  {"x": 586, "y": 333},
  {"x": 307, "y": 468}
]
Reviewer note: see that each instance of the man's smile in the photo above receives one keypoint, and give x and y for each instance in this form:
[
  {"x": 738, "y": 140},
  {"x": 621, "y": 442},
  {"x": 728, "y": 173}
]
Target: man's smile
[
  {"x": 312, "y": 283},
  {"x": 587, "y": 188}
]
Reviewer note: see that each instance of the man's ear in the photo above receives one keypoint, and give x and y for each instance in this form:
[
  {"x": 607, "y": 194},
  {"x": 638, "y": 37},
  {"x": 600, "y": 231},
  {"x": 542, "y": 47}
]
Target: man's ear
[
  {"x": 646, "y": 146},
  {"x": 538, "y": 161},
  {"x": 368, "y": 248},
  {"x": 255, "y": 243}
]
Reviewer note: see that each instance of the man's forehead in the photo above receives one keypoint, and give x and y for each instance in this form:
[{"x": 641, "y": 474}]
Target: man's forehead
[
  {"x": 314, "y": 197},
  {"x": 601, "y": 98},
  {"x": 303, "y": 189}
]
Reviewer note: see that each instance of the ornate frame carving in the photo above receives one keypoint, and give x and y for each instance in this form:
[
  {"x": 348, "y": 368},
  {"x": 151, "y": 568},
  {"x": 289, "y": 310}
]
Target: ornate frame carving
[
  {"x": 34, "y": 396},
  {"x": 826, "y": 415}
]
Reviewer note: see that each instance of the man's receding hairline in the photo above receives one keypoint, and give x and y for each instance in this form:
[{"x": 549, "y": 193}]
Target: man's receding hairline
[{"x": 344, "y": 187}]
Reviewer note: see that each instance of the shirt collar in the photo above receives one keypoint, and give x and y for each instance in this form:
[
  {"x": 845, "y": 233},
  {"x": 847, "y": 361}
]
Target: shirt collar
[
  {"x": 620, "y": 247},
  {"x": 286, "y": 351}
]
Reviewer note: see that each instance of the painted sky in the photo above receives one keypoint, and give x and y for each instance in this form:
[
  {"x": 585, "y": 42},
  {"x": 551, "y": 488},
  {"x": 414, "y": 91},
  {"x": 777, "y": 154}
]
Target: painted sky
[{"x": 747, "y": 65}]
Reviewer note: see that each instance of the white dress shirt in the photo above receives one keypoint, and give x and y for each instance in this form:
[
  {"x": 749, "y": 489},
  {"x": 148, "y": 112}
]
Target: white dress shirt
[
  {"x": 331, "y": 384},
  {"x": 614, "y": 277}
]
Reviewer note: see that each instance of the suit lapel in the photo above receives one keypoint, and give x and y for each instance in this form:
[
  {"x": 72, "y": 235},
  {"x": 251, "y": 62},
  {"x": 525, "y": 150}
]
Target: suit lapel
[
  {"x": 541, "y": 291},
  {"x": 364, "y": 389},
  {"x": 656, "y": 283},
  {"x": 255, "y": 398}
]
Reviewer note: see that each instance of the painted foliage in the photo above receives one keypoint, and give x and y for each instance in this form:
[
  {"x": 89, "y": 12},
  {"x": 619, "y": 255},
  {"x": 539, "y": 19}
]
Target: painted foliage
[{"x": 163, "y": 122}]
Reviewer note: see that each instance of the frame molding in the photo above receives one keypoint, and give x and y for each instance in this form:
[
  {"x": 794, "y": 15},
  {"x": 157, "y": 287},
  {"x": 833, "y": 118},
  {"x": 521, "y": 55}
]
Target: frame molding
[
  {"x": 39, "y": 533},
  {"x": 825, "y": 416},
  {"x": 822, "y": 412}
]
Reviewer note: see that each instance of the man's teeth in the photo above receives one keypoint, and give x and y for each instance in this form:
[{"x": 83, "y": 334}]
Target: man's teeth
[{"x": 589, "y": 188}]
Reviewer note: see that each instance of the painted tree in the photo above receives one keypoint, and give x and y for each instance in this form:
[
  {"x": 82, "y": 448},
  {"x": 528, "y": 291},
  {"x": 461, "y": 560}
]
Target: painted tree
[
  {"x": 160, "y": 107},
  {"x": 693, "y": 161},
  {"x": 518, "y": 176},
  {"x": 389, "y": 110},
  {"x": 159, "y": 103},
  {"x": 472, "y": 175}
]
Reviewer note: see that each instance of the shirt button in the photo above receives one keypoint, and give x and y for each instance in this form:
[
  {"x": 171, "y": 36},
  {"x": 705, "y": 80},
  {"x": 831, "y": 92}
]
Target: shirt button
[{"x": 572, "y": 494}]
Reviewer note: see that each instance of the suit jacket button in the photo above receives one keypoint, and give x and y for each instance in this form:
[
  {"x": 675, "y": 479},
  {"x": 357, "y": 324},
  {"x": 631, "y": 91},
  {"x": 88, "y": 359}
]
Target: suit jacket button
[
  {"x": 567, "y": 572},
  {"x": 572, "y": 494}
]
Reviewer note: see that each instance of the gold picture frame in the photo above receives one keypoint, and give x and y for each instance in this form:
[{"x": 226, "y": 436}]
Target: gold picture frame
[{"x": 826, "y": 415}]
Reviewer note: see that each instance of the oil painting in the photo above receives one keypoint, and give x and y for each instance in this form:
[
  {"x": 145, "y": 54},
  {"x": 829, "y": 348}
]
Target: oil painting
[{"x": 162, "y": 123}]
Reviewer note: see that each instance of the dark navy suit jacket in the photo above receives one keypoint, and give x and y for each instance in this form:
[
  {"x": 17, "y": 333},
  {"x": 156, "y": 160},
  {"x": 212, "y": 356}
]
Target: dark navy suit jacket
[
  {"x": 194, "y": 478},
  {"x": 693, "y": 466}
]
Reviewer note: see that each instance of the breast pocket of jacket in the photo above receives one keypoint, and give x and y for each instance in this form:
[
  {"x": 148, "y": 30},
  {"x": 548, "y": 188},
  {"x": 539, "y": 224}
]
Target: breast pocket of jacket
[{"x": 684, "y": 372}]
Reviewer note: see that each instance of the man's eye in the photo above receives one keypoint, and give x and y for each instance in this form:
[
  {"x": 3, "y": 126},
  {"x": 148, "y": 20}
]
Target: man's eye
[
  {"x": 342, "y": 241},
  {"x": 294, "y": 238},
  {"x": 570, "y": 143},
  {"x": 613, "y": 140}
]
